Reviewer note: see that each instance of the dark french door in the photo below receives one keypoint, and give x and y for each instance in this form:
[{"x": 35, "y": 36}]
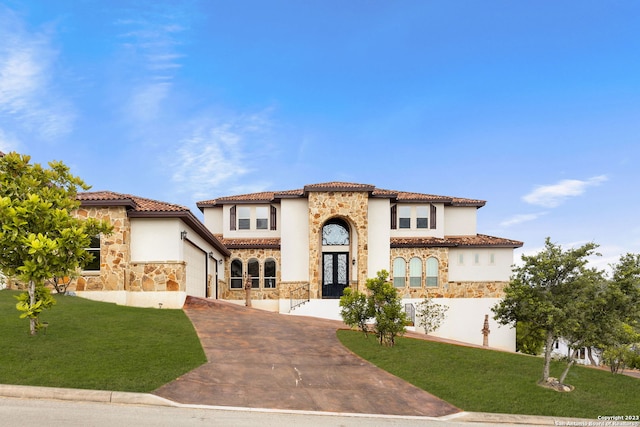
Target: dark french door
[{"x": 335, "y": 273}]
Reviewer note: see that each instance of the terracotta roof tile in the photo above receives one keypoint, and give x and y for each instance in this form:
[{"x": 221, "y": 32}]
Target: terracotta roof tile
[
  {"x": 138, "y": 204},
  {"x": 251, "y": 243},
  {"x": 400, "y": 196},
  {"x": 479, "y": 240}
]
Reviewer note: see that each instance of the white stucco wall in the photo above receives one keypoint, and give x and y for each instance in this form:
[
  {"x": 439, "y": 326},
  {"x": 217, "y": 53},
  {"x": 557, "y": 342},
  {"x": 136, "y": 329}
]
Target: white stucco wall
[
  {"x": 379, "y": 217},
  {"x": 156, "y": 239},
  {"x": 476, "y": 264},
  {"x": 294, "y": 244},
  {"x": 465, "y": 319},
  {"x": 213, "y": 219},
  {"x": 460, "y": 221}
]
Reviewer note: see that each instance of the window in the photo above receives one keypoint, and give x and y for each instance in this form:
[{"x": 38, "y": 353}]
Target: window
[
  {"x": 415, "y": 272},
  {"x": 492, "y": 259},
  {"x": 262, "y": 221},
  {"x": 432, "y": 272},
  {"x": 460, "y": 259},
  {"x": 94, "y": 249},
  {"x": 399, "y": 272},
  {"x": 244, "y": 218},
  {"x": 253, "y": 269},
  {"x": 335, "y": 233},
  {"x": 405, "y": 216},
  {"x": 270, "y": 273},
  {"x": 422, "y": 219},
  {"x": 476, "y": 259},
  {"x": 236, "y": 274}
]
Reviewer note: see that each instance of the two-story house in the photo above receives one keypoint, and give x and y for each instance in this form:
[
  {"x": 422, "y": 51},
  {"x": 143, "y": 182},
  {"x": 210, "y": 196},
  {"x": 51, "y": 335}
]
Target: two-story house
[{"x": 317, "y": 240}]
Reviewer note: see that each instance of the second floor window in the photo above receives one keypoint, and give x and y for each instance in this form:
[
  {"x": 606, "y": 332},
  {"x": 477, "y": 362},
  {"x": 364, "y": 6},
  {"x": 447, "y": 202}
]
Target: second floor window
[
  {"x": 404, "y": 216},
  {"x": 262, "y": 218},
  {"x": 244, "y": 218}
]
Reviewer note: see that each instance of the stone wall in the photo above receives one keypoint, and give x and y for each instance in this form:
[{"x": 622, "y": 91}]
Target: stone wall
[
  {"x": 115, "y": 252},
  {"x": 445, "y": 288},
  {"x": 353, "y": 208},
  {"x": 153, "y": 276},
  {"x": 261, "y": 254}
]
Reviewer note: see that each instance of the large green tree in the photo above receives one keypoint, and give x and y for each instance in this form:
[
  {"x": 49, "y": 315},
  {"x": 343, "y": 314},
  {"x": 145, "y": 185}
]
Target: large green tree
[
  {"x": 40, "y": 238},
  {"x": 545, "y": 292}
]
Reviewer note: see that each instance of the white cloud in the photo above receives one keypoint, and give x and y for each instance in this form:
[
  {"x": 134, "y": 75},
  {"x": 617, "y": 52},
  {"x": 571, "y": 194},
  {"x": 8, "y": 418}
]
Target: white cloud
[
  {"x": 217, "y": 156},
  {"x": 28, "y": 99},
  {"x": 519, "y": 219},
  {"x": 553, "y": 195}
]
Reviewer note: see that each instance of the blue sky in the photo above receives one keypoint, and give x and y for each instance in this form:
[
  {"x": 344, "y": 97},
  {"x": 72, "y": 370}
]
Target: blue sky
[{"x": 533, "y": 106}]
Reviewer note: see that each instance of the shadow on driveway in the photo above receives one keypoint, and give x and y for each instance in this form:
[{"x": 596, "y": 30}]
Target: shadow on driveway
[{"x": 258, "y": 359}]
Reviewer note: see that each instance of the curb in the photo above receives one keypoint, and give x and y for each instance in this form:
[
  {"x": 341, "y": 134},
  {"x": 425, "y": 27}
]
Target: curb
[
  {"x": 55, "y": 393},
  {"x": 130, "y": 398}
]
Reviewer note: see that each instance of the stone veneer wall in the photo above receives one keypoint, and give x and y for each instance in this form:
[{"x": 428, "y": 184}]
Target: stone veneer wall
[
  {"x": 115, "y": 251},
  {"x": 224, "y": 288},
  {"x": 445, "y": 288},
  {"x": 154, "y": 276},
  {"x": 352, "y": 206}
]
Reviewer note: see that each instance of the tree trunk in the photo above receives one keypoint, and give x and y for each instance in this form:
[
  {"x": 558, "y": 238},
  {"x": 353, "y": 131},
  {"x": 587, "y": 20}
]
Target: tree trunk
[
  {"x": 590, "y": 355},
  {"x": 572, "y": 360},
  {"x": 32, "y": 300},
  {"x": 547, "y": 355}
]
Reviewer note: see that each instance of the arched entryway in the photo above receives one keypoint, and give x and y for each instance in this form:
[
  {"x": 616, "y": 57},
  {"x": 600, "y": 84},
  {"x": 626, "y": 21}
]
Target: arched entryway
[{"x": 336, "y": 246}]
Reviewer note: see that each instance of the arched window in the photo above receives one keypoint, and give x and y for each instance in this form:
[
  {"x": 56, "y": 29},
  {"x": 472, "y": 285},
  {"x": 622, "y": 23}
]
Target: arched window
[
  {"x": 253, "y": 270},
  {"x": 270, "y": 273},
  {"x": 399, "y": 272},
  {"x": 432, "y": 271},
  {"x": 236, "y": 274},
  {"x": 335, "y": 232},
  {"x": 415, "y": 272}
]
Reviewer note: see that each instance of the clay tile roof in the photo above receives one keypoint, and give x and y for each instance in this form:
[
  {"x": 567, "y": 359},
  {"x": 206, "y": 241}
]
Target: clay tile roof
[
  {"x": 339, "y": 186},
  {"x": 478, "y": 240},
  {"x": 137, "y": 204},
  {"x": 262, "y": 243},
  {"x": 399, "y": 196}
]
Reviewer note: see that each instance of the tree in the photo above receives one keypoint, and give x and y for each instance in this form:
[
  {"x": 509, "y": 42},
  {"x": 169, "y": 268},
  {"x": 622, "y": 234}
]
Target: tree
[
  {"x": 40, "y": 238},
  {"x": 382, "y": 304},
  {"x": 355, "y": 309},
  {"x": 430, "y": 315},
  {"x": 543, "y": 292},
  {"x": 529, "y": 340},
  {"x": 386, "y": 307}
]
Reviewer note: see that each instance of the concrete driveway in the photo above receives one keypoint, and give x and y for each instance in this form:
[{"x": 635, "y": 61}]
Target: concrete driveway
[{"x": 258, "y": 359}]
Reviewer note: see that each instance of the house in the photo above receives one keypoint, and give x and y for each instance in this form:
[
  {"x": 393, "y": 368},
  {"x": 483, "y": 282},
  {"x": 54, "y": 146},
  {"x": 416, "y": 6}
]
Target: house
[
  {"x": 311, "y": 243},
  {"x": 157, "y": 254}
]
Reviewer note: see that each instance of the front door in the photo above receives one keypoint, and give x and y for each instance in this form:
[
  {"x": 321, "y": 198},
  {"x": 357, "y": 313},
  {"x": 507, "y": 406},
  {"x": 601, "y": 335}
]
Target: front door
[{"x": 335, "y": 273}]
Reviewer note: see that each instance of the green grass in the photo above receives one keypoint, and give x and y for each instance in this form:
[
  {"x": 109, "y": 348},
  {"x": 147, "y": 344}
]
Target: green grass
[
  {"x": 481, "y": 380},
  {"x": 94, "y": 345}
]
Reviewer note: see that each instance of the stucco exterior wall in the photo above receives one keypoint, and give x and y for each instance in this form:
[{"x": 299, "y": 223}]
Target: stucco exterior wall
[
  {"x": 439, "y": 231},
  {"x": 379, "y": 218},
  {"x": 213, "y": 219},
  {"x": 155, "y": 239},
  {"x": 294, "y": 240},
  {"x": 460, "y": 221},
  {"x": 480, "y": 264}
]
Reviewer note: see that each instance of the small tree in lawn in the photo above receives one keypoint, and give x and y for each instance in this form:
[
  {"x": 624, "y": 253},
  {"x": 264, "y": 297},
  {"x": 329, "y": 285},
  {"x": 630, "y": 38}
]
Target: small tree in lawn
[
  {"x": 544, "y": 291},
  {"x": 430, "y": 315},
  {"x": 386, "y": 308},
  {"x": 40, "y": 238},
  {"x": 355, "y": 310}
]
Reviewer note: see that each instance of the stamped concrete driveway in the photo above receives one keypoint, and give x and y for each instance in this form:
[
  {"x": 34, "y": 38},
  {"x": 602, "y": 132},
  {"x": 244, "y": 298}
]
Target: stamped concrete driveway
[{"x": 258, "y": 359}]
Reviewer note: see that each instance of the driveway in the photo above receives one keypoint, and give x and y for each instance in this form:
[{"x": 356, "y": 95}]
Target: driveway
[{"x": 258, "y": 359}]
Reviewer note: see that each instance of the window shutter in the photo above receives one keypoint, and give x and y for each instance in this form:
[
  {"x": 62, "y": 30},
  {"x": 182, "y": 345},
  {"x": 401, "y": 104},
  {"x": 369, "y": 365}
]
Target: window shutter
[
  {"x": 394, "y": 217},
  {"x": 232, "y": 218},
  {"x": 273, "y": 218},
  {"x": 433, "y": 217}
]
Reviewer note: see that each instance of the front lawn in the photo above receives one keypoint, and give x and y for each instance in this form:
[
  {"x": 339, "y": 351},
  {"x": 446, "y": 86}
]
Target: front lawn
[
  {"x": 481, "y": 380},
  {"x": 94, "y": 345}
]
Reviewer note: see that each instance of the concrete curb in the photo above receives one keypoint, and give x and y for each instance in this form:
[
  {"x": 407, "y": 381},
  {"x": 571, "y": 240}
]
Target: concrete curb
[
  {"x": 55, "y": 393},
  {"x": 129, "y": 398}
]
